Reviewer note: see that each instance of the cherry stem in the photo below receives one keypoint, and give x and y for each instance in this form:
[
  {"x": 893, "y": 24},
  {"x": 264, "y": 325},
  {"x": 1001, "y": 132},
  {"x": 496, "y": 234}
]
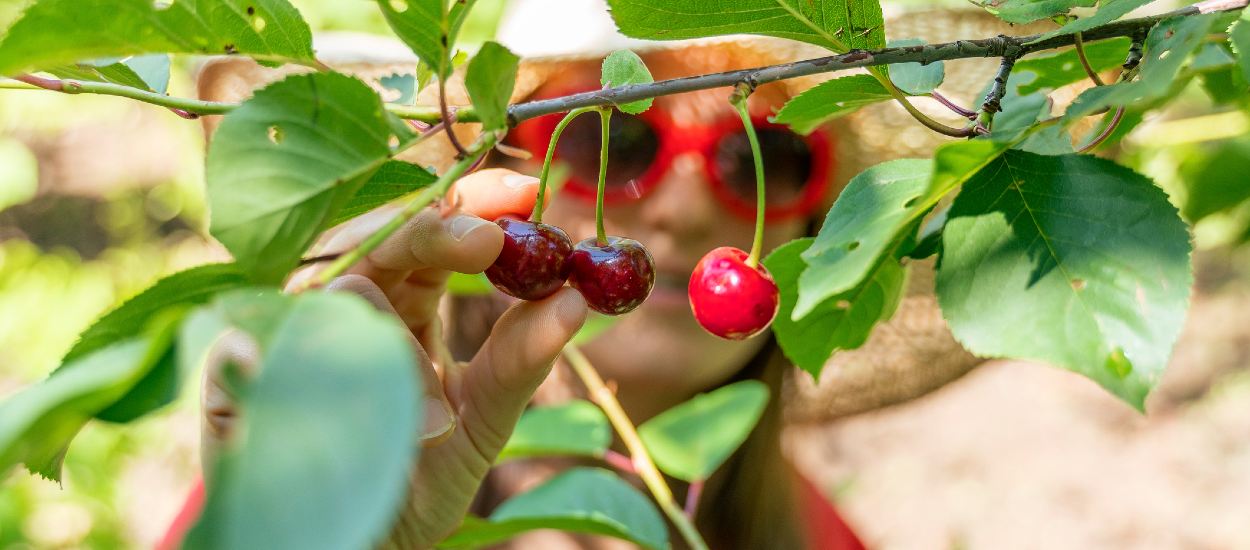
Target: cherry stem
[
  {"x": 1079, "y": 44},
  {"x": 1106, "y": 132},
  {"x": 449, "y": 118},
  {"x": 692, "y": 498},
  {"x": 651, "y": 477},
  {"x": 537, "y": 215},
  {"x": 739, "y": 100},
  {"x": 605, "y": 116},
  {"x": 619, "y": 461}
]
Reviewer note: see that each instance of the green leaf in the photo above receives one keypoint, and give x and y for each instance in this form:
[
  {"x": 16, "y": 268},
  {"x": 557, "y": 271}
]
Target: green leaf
[
  {"x": 282, "y": 165},
  {"x": 1062, "y": 68},
  {"x": 870, "y": 216},
  {"x": 490, "y": 78},
  {"x": 581, "y": 500},
  {"x": 576, "y": 428},
  {"x": 145, "y": 72},
  {"x": 829, "y": 100},
  {"x": 843, "y": 321},
  {"x": 469, "y": 284},
  {"x": 1028, "y": 11},
  {"x": 53, "y": 33},
  {"x": 1108, "y": 11},
  {"x": 1239, "y": 37},
  {"x": 1215, "y": 179},
  {"x": 1167, "y": 47},
  {"x": 624, "y": 67},
  {"x": 405, "y": 86},
  {"x": 839, "y": 25},
  {"x": 1072, "y": 260},
  {"x": 38, "y": 423},
  {"x": 692, "y": 440},
  {"x": 428, "y": 27},
  {"x": 332, "y": 417},
  {"x": 915, "y": 78},
  {"x": 394, "y": 179}
]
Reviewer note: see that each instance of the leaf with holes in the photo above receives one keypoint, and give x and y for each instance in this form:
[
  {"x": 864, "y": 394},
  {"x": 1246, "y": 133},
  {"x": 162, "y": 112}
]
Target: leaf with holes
[
  {"x": 576, "y": 428},
  {"x": 692, "y": 440},
  {"x": 54, "y": 33},
  {"x": 916, "y": 78},
  {"x": 829, "y": 100},
  {"x": 394, "y": 179},
  {"x": 282, "y": 165},
  {"x": 843, "y": 321},
  {"x": 1028, "y": 11},
  {"x": 838, "y": 25},
  {"x": 490, "y": 78},
  {"x": 1072, "y": 260},
  {"x": 580, "y": 500},
  {"x": 428, "y": 27},
  {"x": 331, "y": 364},
  {"x": 1048, "y": 72},
  {"x": 624, "y": 67}
]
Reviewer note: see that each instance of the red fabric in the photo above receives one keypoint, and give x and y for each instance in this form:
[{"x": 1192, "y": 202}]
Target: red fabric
[
  {"x": 825, "y": 528},
  {"x": 185, "y": 519}
]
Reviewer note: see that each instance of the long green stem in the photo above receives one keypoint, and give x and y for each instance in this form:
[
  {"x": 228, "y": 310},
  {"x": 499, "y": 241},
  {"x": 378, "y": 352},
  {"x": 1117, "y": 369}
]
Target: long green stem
[
  {"x": 651, "y": 477},
  {"x": 915, "y": 113},
  {"x": 740, "y": 103},
  {"x": 605, "y": 116},
  {"x": 537, "y": 216},
  {"x": 1079, "y": 45}
]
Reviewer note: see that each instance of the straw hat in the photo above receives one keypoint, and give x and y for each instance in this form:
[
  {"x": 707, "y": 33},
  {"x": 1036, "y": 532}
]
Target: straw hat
[{"x": 910, "y": 355}]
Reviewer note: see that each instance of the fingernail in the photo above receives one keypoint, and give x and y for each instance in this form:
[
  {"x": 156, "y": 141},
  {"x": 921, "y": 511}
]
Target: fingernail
[
  {"x": 462, "y": 225},
  {"x": 438, "y": 419},
  {"x": 517, "y": 181}
]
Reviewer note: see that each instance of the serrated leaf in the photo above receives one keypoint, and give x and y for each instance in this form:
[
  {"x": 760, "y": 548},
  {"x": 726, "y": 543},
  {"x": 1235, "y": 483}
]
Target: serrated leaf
[
  {"x": 843, "y": 321},
  {"x": 576, "y": 428},
  {"x": 870, "y": 216},
  {"x": 1239, "y": 37},
  {"x": 915, "y": 78},
  {"x": 490, "y": 78},
  {"x": 1049, "y": 72},
  {"x": 829, "y": 100},
  {"x": 331, "y": 364},
  {"x": 53, "y": 33},
  {"x": 394, "y": 179},
  {"x": 1167, "y": 47},
  {"x": 580, "y": 500},
  {"x": 839, "y": 25},
  {"x": 624, "y": 67},
  {"x": 692, "y": 440},
  {"x": 282, "y": 165},
  {"x": 1072, "y": 260},
  {"x": 1108, "y": 11},
  {"x": 1027, "y": 11},
  {"x": 428, "y": 27}
]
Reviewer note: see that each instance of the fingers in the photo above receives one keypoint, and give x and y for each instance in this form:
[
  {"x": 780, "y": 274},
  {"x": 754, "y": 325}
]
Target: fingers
[
  {"x": 502, "y": 378},
  {"x": 496, "y": 192},
  {"x": 235, "y": 354}
]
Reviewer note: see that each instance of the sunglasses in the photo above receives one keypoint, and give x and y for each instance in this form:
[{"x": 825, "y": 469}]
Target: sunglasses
[{"x": 641, "y": 149}]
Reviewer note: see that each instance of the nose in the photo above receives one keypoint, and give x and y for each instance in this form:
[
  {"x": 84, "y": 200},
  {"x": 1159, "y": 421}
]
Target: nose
[{"x": 682, "y": 204}]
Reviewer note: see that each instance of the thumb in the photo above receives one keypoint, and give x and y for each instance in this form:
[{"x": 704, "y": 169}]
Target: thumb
[{"x": 500, "y": 381}]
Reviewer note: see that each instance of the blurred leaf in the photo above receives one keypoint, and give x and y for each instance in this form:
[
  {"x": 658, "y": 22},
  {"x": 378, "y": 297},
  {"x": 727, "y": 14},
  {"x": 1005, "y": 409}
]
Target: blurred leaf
[
  {"x": 282, "y": 165},
  {"x": 596, "y": 323},
  {"x": 1167, "y": 47},
  {"x": 838, "y": 25},
  {"x": 331, "y": 365},
  {"x": 576, "y": 428},
  {"x": 1072, "y": 260},
  {"x": 1108, "y": 11},
  {"x": 394, "y": 179},
  {"x": 692, "y": 440},
  {"x": 580, "y": 500},
  {"x": 915, "y": 78},
  {"x": 490, "y": 78},
  {"x": 145, "y": 72},
  {"x": 38, "y": 423},
  {"x": 843, "y": 321},
  {"x": 829, "y": 100},
  {"x": 1064, "y": 67},
  {"x": 1215, "y": 180},
  {"x": 429, "y": 27},
  {"x": 1239, "y": 37},
  {"x": 53, "y": 33},
  {"x": 870, "y": 216},
  {"x": 466, "y": 284},
  {"x": 1028, "y": 11},
  {"x": 624, "y": 67}
]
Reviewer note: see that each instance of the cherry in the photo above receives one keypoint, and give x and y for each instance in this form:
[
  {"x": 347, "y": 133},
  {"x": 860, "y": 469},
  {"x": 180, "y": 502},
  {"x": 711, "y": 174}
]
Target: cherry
[
  {"x": 615, "y": 277},
  {"x": 731, "y": 299},
  {"x": 534, "y": 261}
]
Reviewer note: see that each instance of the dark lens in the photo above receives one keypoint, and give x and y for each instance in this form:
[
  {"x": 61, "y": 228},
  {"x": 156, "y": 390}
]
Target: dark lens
[
  {"x": 632, "y": 147},
  {"x": 787, "y": 164}
]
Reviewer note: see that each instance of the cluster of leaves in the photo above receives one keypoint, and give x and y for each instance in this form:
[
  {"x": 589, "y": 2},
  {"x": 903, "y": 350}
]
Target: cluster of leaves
[{"x": 1041, "y": 253}]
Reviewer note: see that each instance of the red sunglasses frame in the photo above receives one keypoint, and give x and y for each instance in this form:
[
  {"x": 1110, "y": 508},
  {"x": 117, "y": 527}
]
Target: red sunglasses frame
[{"x": 535, "y": 134}]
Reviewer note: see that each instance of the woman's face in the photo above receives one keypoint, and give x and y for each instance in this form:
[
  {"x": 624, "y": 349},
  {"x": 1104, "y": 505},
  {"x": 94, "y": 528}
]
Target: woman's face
[{"x": 659, "y": 349}]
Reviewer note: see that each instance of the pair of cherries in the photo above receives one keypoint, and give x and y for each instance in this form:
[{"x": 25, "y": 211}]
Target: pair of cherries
[{"x": 729, "y": 297}]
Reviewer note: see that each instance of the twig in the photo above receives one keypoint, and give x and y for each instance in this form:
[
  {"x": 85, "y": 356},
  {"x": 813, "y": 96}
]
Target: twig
[
  {"x": 994, "y": 97},
  {"x": 619, "y": 461},
  {"x": 1080, "y": 54},
  {"x": 954, "y": 107},
  {"x": 1106, "y": 132},
  {"x": 449, "y": 118},
  {"x": 601, "y": 395},
  {"x": 692, "y": 498}
]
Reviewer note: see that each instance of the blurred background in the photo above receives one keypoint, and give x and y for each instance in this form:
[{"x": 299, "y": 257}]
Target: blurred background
[{"x": 101, "y": 196}]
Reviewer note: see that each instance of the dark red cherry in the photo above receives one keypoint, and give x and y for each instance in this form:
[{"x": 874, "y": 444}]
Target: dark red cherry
[
  {"x": 614, "y": 278},
  {"x": 534, "y": 262},
  {"x": 731, "y": 299}
]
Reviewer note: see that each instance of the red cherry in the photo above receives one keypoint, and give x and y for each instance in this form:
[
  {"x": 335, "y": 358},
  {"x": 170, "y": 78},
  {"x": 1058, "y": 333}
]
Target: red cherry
[
  {"x": 731, "y": 299},
  {"x": 614, "y": 278},
  {"x": 534, "y": 261}
]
